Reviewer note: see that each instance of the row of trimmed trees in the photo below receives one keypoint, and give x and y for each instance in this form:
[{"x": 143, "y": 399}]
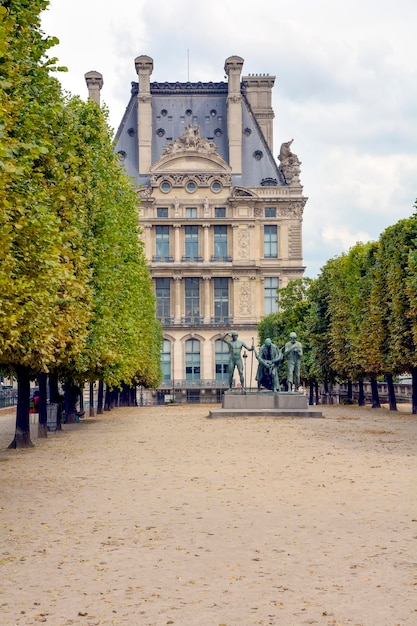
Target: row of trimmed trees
[
  {"x": 358, "y": 320},
  {"x": 76, "y": 297}
]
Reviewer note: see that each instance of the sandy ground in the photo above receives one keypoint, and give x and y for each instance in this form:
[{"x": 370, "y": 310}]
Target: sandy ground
[{"x": 159, "y": 515}]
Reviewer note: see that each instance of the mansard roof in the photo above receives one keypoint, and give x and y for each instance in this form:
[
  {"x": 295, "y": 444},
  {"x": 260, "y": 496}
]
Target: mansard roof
[{"x": 178, "y": 105}]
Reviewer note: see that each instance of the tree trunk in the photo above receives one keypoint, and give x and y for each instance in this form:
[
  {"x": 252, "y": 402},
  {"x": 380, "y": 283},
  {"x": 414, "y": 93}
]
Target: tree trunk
[
  {"x": 316, "y": 391},
  {"x": 361, "y": 399},
  {"x": 414, "y": 391},
  {"x": 349, "y": 398},
  {"x": 22, "y": 432},
  {"x": 375, "y": 395},
  {"x": 92, "y": 410},
  {"x": 107, "y": 399},
  {"x": 56, "y": 398},
  {"x": 43, "y": 417},
  {"x": 326, "y": 391},
  {"x": 311, "y": 393},
  {"x": 70, "y": 399},
  {"x": 391, "y": 392},
  {"x": 100, "y": 395}
]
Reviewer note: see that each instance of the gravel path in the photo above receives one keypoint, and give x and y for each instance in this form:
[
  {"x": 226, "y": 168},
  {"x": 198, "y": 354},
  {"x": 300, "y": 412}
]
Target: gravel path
[{"x": 157, "y": 515}]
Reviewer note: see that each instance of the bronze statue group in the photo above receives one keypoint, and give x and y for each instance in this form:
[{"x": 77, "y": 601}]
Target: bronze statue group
[{"x": 269, "y": 359}]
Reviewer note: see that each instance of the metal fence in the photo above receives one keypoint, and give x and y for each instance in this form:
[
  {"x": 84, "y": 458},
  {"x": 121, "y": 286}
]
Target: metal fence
[{"x": 8, "y": 397}]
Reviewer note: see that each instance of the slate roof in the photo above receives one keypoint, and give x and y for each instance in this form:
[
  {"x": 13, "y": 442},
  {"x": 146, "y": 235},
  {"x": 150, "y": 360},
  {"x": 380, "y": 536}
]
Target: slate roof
[{"x": 174, "y": 107}]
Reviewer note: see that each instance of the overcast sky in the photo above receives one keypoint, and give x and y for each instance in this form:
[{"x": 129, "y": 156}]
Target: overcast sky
[{"x": 345, "y": 89}]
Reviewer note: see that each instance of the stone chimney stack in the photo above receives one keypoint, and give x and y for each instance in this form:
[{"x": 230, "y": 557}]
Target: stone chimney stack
[
  {"x": 233, "y": 68},
  {"x": 144, "y": 68},
  {"x": 94, "y": 82},
  {"x": 259, "y": 95}
]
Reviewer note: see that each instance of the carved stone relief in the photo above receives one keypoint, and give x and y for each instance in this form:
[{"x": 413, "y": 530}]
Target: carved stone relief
[
  {"x": 243, "y": 243},
  {"x": 245, "y": 307}
]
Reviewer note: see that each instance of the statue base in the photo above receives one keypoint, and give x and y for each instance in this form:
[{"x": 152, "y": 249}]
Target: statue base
[{"x": 264, "y": 404}]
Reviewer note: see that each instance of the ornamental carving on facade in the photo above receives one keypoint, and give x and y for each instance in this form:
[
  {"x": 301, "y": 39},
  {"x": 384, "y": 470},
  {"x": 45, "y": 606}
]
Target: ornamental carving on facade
[
  {"x": 191, "y": 140},
  {"x": 292, "y": 211},
  {"x": 290, "y": 164},
  {"x": 144, "y": 192},
  {"x": 244, "y": 299},
  {"x": 240, "y": 192},
  {"x": 243, "y": 243},
  {"x": 201, "y": 180}
]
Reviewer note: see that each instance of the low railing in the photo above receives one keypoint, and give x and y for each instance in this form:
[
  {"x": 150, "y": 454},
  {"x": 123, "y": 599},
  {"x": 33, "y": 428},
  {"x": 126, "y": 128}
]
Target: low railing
[
  {"x": 8, "y": 397},
  {"x": 194, "y": 384},
  {"x": 196, "y": 321}
]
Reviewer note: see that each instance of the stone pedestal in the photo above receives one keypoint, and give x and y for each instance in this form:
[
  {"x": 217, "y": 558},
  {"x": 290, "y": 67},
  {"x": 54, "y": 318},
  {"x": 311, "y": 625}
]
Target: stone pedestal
[{"x": 264, "y": 404}]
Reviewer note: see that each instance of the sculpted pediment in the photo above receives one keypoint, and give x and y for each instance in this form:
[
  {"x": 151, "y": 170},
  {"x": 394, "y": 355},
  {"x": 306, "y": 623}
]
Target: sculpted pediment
[{"x": 192, "y": 153}]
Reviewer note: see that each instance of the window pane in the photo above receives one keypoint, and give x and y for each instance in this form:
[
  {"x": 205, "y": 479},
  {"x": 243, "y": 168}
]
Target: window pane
[
  {"x": 192, "y": 297},
  {"x": 162, "y": 241},
  {"x": 162, "y": 290},
  {"x": 221, "y": 297},
  {"x": 270, "y": 295},
  {"x": 220, "y": 241},
  {"x": 192, "y": 359},
  {"x": 222, "y": 360},
  {"x": 270, "y": 242},
  {"x": 166, "y": 359},
  {"x": 191, "y": 241}
]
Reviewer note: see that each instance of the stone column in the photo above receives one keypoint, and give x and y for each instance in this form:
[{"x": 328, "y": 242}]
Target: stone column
[
  {"x": 144, "y": 67},
  {"x": 94, "y": 82},
  {"x": 206, "y": 243},
  {"x": 207, "y": 302},
  {"x": 177, "y": 299},
  {"x": 233, "y": 69},
  {"x": 177, "y": 251}
]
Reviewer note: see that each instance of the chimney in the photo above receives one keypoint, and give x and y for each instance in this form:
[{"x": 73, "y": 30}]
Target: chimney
[
  {"x": 233, "y": 68},
  {"x": 144, "y": 68},
  {"x": 259, "y": 95},
  {"x": 94, "y": 82}
]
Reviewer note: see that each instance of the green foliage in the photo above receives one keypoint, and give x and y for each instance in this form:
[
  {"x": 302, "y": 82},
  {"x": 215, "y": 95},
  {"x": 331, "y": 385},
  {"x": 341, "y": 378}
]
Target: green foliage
[
  {"x": 43, "y": 290},
  {"x": 75, "y": 291},
  {"x": 294, "y": 316}
]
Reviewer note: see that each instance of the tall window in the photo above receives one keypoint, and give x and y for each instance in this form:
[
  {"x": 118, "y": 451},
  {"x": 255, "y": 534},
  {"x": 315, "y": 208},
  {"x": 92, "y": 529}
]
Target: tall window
[
  {"x": 162, "y": 242},
  {"x": 166, "y": 360},
  {"x": 220, "y": 242},
  {"x": 222, "y": 360},
  {"x": 270, "y": 241},
  {"x": 221, "y": 299},
  {"x": 162, "y": 289},
  {"x": 191, "y": 241},
  {"x": 270, "y": 295},
  {"x": 192, "y": 298},
  {"x": 192, "y": 359}
]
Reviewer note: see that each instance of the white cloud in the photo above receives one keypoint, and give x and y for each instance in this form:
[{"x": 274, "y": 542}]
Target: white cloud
[{"x": 345, "y": 89}]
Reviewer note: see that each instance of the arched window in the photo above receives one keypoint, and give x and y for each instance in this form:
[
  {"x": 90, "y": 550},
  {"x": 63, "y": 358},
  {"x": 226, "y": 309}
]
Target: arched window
[
  {"x": 192, "y": 359},
  {"x": 222, "y": 360},
  {"x": 166, "y": 360}
]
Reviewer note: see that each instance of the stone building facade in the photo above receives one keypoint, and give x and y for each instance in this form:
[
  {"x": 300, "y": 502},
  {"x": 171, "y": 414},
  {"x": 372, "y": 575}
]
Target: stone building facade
[{"x": 221, "y": 218}]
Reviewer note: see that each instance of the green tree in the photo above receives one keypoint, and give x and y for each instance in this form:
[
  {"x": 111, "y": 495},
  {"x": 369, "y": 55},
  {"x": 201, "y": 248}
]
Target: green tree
[
  {"x": 294, "y": 316},
  {"x": 43, "y": 287},
  {"x": 396, "y": 284}
]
